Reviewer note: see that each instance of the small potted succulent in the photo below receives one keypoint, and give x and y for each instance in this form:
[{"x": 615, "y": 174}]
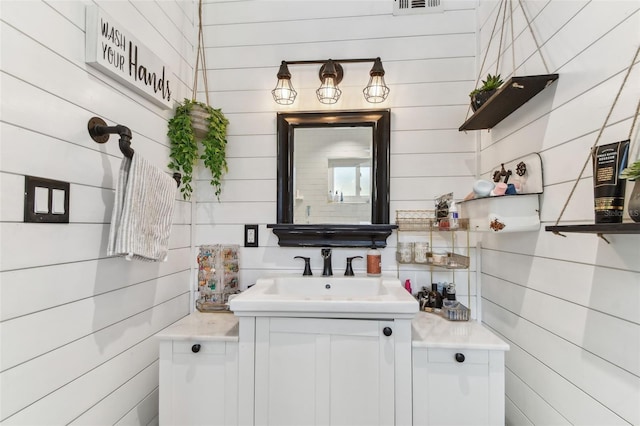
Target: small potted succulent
[
  {"x": 185, "y": 133},
  {"x": 482, "y": 94}
]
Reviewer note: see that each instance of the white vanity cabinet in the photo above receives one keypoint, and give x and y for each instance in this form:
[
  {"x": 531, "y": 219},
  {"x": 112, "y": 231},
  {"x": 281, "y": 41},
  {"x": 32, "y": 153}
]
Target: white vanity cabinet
[
  {"x": 311, "y": 371},
  {"x": 278, "y": 370},
  {"x": 199, "y": 371},
  {"x": 458, "y": 373}
]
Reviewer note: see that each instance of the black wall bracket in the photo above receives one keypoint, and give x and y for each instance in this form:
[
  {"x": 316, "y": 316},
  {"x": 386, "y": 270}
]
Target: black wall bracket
[{"x": 99, "y": 132}]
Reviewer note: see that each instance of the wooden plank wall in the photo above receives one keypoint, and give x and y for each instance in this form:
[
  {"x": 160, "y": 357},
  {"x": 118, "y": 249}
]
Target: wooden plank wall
[
  {"x": 429, "y": 61},
  {"x": 567, "y": 306},
  {"x": 77, "y": 327}
]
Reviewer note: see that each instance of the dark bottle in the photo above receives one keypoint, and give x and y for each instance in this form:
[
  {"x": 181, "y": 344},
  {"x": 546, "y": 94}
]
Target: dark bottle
[
  {"x": 423, "y": 297},
  {"x": 435, "y": 298},
  {"x": 451, "y": 292},
  {"x": 444, "y": 291}
]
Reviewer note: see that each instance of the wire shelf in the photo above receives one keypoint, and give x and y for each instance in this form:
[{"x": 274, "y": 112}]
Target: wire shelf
[{"x": 425, "y": 220}]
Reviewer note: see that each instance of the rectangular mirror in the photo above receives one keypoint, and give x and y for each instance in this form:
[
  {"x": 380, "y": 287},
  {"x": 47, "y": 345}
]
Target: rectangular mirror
[{"x": 333, "y": 178}]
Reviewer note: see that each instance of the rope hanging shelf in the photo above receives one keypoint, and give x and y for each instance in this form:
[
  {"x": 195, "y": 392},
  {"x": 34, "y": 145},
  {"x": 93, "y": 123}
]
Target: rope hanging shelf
[
  {"x": 601, "y": 228},
  {"x": 511, "y": 96},
  {"x": 517, "y": 91}
]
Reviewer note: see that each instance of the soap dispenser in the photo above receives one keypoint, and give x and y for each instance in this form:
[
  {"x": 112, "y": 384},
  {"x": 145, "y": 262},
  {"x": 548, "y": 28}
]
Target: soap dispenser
[{"x": 374, "y": 262}]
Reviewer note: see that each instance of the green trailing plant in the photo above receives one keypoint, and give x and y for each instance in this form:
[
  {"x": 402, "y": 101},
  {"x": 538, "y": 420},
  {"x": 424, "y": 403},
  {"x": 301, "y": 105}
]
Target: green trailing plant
[
  {"x": 492, "y": 82},
  {"x": 632, "y": 172},
  {"x": 184, "y": 146}
]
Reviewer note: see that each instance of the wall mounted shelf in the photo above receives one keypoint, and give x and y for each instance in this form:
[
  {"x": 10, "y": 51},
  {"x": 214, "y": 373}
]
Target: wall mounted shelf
[
  {"x": 330, "y": 235},
  {"x": 599, "y": 228},
  {"x": 503, "y": 214},
  {"x": 509, "y": 213},
  {"x": 512, "y": 95}
]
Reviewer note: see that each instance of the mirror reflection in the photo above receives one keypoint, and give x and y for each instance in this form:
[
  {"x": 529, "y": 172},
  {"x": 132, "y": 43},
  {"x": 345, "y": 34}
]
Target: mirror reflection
[{"x": 332, "y": 177}]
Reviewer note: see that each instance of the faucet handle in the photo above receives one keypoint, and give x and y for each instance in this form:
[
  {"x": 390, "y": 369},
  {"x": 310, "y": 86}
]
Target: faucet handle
[
  {"x": 307, "y": 266},
  {"x": 349, "y": 271}
]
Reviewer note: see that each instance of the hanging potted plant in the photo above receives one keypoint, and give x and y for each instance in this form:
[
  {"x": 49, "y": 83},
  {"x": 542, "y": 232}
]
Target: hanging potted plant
[
  {"x": 632, "y": 173},
  {"x": 482, "y": 94},
  {"x": 196, "y": 122}
]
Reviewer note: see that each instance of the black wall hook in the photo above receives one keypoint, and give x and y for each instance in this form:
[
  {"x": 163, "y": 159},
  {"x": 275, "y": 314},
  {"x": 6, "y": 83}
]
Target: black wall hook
[{"x": 99, "y": 132}]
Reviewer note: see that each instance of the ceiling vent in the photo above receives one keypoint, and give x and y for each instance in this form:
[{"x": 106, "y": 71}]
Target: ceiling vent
[{"x": 413, "y": 7}]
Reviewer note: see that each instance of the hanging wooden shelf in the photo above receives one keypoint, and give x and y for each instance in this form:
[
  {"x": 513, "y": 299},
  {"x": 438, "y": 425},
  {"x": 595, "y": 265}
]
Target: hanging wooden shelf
[
  {"x": 599, "y": 228},
  {"x": 512, "y": 95}
]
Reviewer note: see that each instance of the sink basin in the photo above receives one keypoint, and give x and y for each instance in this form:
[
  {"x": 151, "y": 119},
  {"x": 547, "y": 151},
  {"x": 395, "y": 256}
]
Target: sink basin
[
  {"x": 323, "y": 286},
  {"x": 326, "y": 297}
]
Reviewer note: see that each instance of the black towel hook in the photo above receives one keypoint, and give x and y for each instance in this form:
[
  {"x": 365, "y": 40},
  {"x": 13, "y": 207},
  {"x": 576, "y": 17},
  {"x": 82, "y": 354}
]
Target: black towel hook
[{"x": 99, "y": 132}]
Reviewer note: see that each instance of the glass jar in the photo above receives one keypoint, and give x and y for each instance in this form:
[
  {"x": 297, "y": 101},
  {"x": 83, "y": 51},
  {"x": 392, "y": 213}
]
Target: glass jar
[
  {"x": 420, "y": 252},
  {"x": 404, "y": 253}
]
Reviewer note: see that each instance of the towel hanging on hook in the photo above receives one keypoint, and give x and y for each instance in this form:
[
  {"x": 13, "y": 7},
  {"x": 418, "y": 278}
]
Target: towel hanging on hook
[{"x": 99, "y": 132}]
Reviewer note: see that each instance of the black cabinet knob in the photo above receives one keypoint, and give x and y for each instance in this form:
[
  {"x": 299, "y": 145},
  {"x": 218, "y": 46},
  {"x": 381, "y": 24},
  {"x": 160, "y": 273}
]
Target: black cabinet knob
[
  {"x": 195, "y": 348},
  {"x": 387, "y": 331},
  {"x": 459, "y": 357}
]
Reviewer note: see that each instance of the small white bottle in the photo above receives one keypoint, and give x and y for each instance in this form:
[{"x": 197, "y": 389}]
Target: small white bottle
[
  {"x": 453, "y": 215},
  {"x": 374, "y": 262}
]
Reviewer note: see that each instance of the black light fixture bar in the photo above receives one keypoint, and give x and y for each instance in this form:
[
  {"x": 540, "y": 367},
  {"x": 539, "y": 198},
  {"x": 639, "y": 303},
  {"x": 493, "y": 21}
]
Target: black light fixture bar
[
  {"x": 330, "y": 74},
  {"x": 324, "y": 61}
]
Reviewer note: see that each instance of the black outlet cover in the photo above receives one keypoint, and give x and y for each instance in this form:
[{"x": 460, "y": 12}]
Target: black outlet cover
[{"x": 30, "y": 184}]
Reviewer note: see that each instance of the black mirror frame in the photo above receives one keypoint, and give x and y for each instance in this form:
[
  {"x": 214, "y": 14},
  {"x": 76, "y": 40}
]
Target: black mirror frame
[{"x": 330, "y": 235}]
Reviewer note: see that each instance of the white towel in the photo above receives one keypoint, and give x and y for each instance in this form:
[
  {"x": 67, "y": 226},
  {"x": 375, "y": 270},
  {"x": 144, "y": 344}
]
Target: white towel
[{"x": 142, "y": 211}]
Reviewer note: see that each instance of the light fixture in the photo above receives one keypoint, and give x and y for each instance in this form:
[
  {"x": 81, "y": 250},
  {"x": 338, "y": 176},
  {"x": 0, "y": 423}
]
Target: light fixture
[
  {"x": 376, "y": 91},
  {"x": 331, "y": 74},
  {"x": 284, "y": 93},
  {"x": 328, "y": 92}
]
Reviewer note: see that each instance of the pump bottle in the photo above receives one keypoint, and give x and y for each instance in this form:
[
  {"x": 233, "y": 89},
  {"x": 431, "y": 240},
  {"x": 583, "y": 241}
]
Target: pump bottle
[
  {"x": 453, "y": 216},
  {"x": 374, "y": 262}
]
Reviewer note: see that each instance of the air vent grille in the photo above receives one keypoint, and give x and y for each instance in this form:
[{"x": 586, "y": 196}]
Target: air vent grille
[{"x": 412, "y": 7}]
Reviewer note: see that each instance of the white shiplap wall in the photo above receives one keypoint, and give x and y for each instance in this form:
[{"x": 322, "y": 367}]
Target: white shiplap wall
[
  {"x": 429, "y": 61},
  {"x": 77, "y": 327},
  {"x": 569, "y": 307}
]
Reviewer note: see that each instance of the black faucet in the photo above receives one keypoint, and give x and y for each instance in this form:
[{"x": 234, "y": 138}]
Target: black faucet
[
  {"x": 349, "y": 271},
  {"x": 307, "y": 267},
  {"x": 326, "y": 255}
]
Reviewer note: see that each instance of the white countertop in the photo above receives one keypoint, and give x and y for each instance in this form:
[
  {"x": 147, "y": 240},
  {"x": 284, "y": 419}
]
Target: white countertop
[
  {"x": 428, "y": 331},
  {"x": 218, "y": 326},
  {"x": 432, "y": 331}
]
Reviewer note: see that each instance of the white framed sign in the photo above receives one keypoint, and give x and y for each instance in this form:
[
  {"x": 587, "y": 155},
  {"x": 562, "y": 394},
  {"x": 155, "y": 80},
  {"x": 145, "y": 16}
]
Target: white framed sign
[{"x": 110, "y": 48}]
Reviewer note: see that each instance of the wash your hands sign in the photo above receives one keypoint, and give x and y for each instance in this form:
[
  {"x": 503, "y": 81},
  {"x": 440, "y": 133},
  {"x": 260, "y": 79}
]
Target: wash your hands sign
[{"x": 115, "y": 52}]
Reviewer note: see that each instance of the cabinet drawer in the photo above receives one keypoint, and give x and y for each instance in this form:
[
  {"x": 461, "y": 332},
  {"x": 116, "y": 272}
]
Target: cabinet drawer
[
  {"x": 209, "y": 348},
  {"x": 448, "y": 356}
]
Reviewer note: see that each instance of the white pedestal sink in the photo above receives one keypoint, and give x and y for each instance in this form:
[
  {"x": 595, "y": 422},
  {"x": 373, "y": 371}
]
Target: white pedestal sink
[{"x": 325, "y": 350}]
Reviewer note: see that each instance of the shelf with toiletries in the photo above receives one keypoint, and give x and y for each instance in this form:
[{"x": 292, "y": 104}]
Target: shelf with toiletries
[
  {"x": 508, "y": 200},
  {"x": 432, "y": 238},
  {"x": 598, "y": 228},
  {"x": 423, "y": 252}
]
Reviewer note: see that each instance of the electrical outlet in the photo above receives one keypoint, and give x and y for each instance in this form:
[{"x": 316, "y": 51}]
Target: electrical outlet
[{"x": 251, "y": 235}]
